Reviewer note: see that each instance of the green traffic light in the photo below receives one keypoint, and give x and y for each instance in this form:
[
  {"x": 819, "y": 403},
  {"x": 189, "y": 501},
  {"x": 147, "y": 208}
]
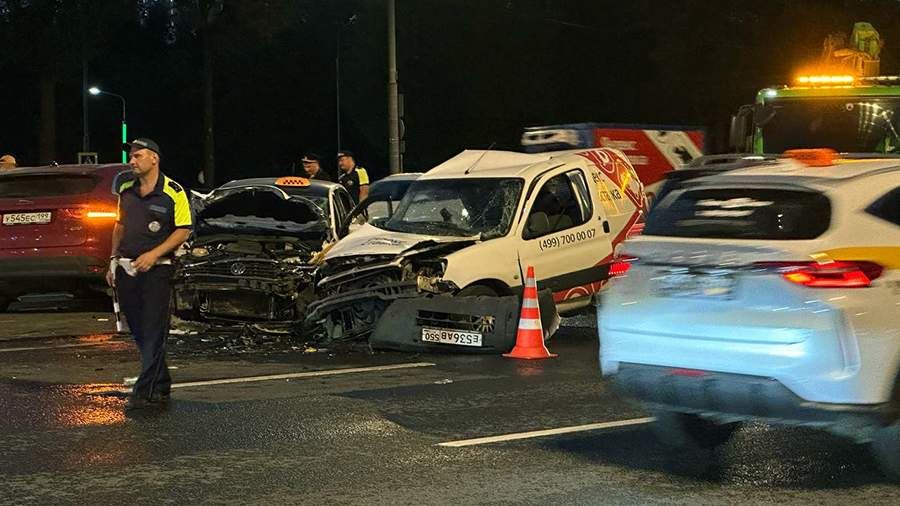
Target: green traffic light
[{"x": 124, "y": 140}]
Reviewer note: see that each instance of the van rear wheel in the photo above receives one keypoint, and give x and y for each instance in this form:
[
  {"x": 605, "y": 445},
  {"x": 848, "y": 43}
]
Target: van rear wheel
[{"x": 683, "y": 430}]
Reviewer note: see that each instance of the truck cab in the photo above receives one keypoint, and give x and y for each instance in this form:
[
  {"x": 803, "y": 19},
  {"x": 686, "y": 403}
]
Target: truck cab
[{"x": 842, "y": 112}]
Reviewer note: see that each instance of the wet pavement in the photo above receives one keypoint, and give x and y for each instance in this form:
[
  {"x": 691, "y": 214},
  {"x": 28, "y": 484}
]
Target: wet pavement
[{"x": 319, "y": 434}]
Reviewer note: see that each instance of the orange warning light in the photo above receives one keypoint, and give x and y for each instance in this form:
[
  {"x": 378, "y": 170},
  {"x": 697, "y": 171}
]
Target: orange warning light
[
  {"x": 824, "y": 80},
  {"x": 817, "y": 157}
]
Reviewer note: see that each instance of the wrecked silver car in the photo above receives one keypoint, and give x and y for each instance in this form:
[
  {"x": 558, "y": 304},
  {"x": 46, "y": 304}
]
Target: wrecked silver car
[{"x": 256, "y": 244}]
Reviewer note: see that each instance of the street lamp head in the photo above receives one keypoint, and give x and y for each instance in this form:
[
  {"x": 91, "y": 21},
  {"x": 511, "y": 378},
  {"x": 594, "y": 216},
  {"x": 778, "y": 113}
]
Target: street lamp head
[{"x": 93, "y": 90}]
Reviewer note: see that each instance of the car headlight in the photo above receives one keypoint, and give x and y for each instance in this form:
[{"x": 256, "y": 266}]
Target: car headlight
[{"x": 199, "y": 252}]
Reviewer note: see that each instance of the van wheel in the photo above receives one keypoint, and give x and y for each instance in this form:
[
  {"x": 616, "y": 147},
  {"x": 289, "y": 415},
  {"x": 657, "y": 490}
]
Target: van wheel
[
  {"x": 682, "y": 430},
  {"x": 477, "y": 291}
]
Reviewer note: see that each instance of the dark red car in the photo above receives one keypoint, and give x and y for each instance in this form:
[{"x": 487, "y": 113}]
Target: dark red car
[{"x": 55, "y": 227}]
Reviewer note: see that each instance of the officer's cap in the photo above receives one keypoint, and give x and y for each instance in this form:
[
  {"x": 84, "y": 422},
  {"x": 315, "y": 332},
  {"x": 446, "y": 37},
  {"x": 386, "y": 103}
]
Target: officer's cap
[{"x": 144, "y": 143}]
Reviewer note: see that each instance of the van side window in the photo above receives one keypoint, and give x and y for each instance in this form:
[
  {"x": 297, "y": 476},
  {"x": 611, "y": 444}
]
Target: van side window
[
  {"x": 576, "y": 177},
  {"x": 562, "y": 203},
  {"x": 887, "y": 207}
]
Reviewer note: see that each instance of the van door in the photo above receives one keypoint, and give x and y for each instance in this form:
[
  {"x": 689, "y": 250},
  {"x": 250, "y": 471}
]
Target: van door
[
  {"x": 618, "y": 192},
  {"x": 561, "y": 236}
]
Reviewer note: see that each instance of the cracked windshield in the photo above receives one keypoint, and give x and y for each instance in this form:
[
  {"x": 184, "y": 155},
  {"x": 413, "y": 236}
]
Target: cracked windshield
[{"x": 461, "y": 208}]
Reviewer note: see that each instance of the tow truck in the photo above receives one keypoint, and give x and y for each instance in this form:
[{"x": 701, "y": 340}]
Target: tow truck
[{"x": 842, "y": 102}]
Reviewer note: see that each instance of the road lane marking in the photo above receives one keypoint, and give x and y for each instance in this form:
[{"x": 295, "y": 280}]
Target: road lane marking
[
  {"x": 78, "y": 345},
  {"x": 308, "y": 374},
  {"x": 547, "y": 432}
]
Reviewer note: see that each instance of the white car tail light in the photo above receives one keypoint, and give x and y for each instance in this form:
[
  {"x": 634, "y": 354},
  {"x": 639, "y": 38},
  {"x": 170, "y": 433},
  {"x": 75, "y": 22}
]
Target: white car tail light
[{"x": 836, "y": 274}]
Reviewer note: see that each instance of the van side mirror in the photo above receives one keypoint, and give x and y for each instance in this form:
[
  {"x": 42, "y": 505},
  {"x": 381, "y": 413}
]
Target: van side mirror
[
  {"x": 741, "y": 128},
  {"x": 763, "y": 114}
]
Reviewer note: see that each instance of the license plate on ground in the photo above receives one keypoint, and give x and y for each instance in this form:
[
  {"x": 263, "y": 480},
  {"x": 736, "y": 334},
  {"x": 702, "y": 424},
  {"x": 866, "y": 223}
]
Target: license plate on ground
[
  {"x": 694, "y": 284},
  {"x": 26, "y": 218},
  {"x": 451, "y": 337}
]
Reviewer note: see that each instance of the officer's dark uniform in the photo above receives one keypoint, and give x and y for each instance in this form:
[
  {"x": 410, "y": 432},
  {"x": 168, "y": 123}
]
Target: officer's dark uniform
[
  {"x": 353, "y": 180},
  {"x": 322, "y": 176},
  {"x": 148, "y": 221}
]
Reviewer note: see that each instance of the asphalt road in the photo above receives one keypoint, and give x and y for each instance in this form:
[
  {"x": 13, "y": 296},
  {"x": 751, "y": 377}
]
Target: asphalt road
[{"x": 321, "y": 435}]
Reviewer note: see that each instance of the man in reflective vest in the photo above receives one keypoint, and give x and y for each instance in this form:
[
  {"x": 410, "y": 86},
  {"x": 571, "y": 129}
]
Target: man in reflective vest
[
  {"x": 154, "y": 220},
  {"x": 353, "y": 177}
]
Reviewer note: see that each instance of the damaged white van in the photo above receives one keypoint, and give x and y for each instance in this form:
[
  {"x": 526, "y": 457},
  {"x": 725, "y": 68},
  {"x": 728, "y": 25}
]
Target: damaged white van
[{"x": 445, "y": 271}]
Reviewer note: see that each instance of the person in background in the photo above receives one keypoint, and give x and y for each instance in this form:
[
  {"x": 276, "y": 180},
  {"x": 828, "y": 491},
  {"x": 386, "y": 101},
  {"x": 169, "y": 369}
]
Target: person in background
[
  {"x": 353, "y": 177},
  {"x": 7, "y": 161},
  {"x": 312, "y": 166}
]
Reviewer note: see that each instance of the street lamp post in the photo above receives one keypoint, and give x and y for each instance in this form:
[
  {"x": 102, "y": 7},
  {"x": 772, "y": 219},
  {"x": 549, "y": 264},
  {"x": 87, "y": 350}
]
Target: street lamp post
[
  {"x": 93, "y": 90},
  {"x": 337, "y": 75}
]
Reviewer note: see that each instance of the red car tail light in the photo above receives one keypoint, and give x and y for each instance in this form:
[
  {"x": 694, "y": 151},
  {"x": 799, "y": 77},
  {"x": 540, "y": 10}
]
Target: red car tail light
[
  {"x": 94, "y": 215},
  {"x": 91, "y": 214},
  {"x": 836, "y": 274}
]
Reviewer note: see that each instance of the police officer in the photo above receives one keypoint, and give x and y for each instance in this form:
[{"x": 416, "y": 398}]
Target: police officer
[
  {"x": 353, "y": 177},
  {"x": 313, "y": 167},
  {"x": 154, "y": 220}
]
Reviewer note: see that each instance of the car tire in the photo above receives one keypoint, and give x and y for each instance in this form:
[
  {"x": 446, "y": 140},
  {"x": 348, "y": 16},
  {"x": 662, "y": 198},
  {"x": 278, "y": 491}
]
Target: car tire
[
  {"x": 683, "y": 430},
  {"x": 886, "y": 441},
  {"x": 886, "y": 447},
  {"x": 477, "y": 291}
]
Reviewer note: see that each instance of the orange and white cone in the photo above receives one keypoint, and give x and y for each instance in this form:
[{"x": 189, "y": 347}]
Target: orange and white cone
[{"x": 530, "y": 336}]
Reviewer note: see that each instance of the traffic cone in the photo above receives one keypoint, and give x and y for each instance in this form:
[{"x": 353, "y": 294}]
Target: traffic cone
[{"x": 530, "y": 336}]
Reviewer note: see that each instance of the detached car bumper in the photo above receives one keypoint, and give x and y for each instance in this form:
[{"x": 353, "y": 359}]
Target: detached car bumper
[
  {"x": 491, "y": 322},
  {"x": 400, "y": 316}
]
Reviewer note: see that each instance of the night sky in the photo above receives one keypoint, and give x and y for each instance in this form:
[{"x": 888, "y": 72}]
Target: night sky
[{"x": 473, "y": 72}]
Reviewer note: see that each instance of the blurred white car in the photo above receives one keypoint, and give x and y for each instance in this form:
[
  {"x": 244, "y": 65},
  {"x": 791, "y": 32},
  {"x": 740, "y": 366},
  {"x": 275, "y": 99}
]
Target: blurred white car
[{"x": 771, "y": 292}]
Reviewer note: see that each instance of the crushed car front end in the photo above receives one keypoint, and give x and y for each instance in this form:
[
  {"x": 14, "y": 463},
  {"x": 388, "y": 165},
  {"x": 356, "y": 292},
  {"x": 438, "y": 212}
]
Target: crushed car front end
[
  {"x": 355, "y": 290},
  {"x": 403, "y": 284},
  {"x": 402, "y": 302},
  {"x": 243, "y": 279},
  {"x": 253, "y": 258}
]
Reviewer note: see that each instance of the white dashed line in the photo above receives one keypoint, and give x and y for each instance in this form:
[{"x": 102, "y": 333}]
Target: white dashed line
[
  {"x": 77, "y": 345},
  {"x": 300, "y": 375},
  {"x": 547, "y": 432}
]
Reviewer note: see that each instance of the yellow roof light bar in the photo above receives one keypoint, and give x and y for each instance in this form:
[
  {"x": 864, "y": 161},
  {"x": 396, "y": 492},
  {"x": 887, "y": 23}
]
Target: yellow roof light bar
[{"x": 826, "y": 79}]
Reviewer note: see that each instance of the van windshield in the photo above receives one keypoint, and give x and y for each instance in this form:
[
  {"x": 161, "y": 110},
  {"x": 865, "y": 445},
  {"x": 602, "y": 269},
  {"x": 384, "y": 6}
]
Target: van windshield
[{"x": 482, "y": 207}]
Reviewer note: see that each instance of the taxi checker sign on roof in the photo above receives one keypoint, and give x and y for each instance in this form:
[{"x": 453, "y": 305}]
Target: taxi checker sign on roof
[{"x": 292, "y": 181}]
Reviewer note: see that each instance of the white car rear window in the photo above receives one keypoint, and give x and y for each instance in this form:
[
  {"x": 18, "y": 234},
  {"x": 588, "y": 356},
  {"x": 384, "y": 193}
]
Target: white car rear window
[{"x": 741, "y": 213}]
